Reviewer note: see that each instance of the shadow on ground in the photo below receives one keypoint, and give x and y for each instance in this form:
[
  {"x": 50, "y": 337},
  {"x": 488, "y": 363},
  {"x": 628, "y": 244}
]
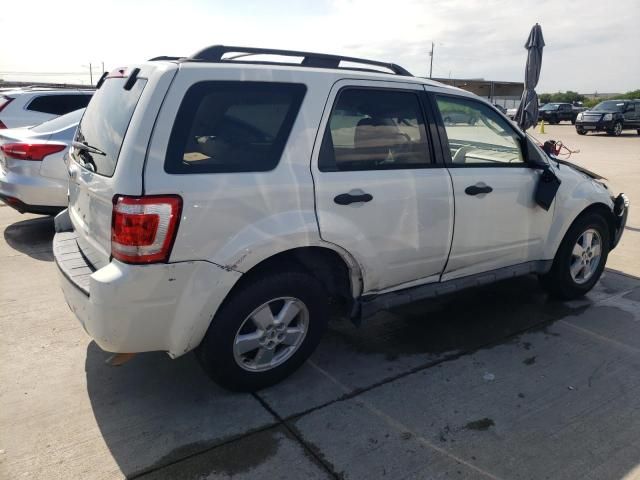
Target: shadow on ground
[
  {"x": 154, "y": 411},
  {"x": 32, "y": 237}
]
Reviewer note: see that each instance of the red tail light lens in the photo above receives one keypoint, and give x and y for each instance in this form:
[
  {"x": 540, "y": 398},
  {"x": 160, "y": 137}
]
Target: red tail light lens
[
  {"x": 2, "y": 125},
  {"x": 143, "y": 228},
  {"x": 31, "y": 151}
]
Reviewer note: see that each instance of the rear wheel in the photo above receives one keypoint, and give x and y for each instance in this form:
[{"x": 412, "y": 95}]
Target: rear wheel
[
  {"x": 580, "y": 259},
  {"x": 265, "y": 331}
]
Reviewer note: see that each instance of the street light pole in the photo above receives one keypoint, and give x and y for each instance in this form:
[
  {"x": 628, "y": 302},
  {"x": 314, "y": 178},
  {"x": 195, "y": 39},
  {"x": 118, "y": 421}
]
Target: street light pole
[
  {"x": 90, "y": 74},
  {"x": 431, "y": 65}
]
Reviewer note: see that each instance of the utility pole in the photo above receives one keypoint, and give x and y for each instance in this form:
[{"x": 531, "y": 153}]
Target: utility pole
[
  {"x": 90, "y": 74},
  {"x": 102, "y": 67},
  {"x": 431, "y": 66}
]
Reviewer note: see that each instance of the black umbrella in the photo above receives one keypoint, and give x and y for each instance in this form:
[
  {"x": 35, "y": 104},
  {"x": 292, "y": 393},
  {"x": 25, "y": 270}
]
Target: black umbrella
[{"x": 527, "y": 115}]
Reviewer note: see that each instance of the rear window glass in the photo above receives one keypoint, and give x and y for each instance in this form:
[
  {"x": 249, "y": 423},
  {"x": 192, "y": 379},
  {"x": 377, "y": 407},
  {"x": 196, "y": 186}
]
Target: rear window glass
[
  {"x": 232, "y": 127},
  {"x": 58, "y": 104},
  {"x": 59, "y": 123},
  {"x": 105, "y": 124}
]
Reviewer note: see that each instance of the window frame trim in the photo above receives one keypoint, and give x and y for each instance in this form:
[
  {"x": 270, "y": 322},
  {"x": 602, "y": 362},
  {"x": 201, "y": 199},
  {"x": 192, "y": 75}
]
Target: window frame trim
[
  {"x": 423, "y": 105},
  {"x": 444, "y": 138},
  {"x": 298, "y": 100}
]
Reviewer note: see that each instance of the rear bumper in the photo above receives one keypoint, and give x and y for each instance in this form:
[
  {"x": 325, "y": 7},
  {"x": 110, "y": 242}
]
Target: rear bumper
[
  {"x": 33, "y": 194},
  {"x": 139, "y": 308}
]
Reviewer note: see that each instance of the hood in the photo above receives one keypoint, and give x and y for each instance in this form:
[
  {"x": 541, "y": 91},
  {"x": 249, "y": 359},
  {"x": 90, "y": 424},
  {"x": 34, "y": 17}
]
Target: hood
[{"x": 588, "y": 173}]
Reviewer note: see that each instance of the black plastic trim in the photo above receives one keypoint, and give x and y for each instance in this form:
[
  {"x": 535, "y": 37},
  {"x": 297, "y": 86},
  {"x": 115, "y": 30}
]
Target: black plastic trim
[
  {"x": 370, "y": 304},
  {"x": 215, "y": 53}
]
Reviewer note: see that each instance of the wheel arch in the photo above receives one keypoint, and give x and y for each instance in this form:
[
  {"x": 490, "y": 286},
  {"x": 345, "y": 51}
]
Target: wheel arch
[
  {"x": 335, "y": 269},
  {"x": 596, "y": 208}
]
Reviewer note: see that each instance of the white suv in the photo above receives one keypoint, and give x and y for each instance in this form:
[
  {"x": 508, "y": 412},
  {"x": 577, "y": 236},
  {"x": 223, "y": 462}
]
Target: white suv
[{"x": 222, "y": 202}]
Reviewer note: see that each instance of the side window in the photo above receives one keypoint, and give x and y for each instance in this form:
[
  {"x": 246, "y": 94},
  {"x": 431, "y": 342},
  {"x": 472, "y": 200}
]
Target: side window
[
  {"x": 479, "y": 137},
  {"x": 232, "y": 127},
  {"x": 58, "y": 104},
  {"x": 372, "y": 129}
]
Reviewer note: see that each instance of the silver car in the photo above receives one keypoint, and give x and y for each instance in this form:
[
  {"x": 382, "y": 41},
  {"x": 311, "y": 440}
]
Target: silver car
[{"x": 33, "y": 174}]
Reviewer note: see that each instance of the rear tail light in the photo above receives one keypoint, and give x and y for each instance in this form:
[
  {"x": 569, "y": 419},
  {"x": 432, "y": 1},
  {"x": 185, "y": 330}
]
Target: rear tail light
[
  {"x": 30, "y": 151},
  {"x": 143, "y": 228},
  {"x": 2, "y": 125}
]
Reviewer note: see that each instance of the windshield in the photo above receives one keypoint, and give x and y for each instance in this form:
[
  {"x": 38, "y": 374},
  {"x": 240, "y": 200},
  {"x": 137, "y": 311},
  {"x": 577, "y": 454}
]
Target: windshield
[
  {"x": 59, "y": 123},
  {"x": 105, "y": 124},
  {"x": 609, "y": 106},
  {"x": 550, "y": 106}
]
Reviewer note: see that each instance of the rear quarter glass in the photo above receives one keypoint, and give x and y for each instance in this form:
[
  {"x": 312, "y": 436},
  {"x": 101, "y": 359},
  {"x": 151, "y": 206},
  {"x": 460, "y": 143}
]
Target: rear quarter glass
[
  {"x": 224, "y": 127},
  {"x": 105, "y": 123}
]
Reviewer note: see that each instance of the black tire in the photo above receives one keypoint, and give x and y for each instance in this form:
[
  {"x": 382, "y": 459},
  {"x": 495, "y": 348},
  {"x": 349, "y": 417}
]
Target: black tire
[
  {"x": 638, "y": 131},
  {"x": 616, "y": 131},
  {"x": 216, "y": 352},
  {"x": 558, "y": 281},
  {"x": 581, "y": 131},
  {"x": 573, "y": 121}
]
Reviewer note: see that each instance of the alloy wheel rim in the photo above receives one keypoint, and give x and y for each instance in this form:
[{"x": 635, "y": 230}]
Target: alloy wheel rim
[
  {"x": 271, "y": 334},
  {"x": 585, "y": 256},
  {"x": 618, "y": 128}
]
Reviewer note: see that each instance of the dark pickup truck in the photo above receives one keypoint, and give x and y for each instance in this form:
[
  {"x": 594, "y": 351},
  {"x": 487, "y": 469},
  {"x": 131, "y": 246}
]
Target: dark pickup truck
[{"x": 557, "y": 112}]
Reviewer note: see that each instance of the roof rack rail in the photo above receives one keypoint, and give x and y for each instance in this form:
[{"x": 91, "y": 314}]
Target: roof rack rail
[
  {"x": 164, "y": 57},
  {"x": 316, "y": 60}
]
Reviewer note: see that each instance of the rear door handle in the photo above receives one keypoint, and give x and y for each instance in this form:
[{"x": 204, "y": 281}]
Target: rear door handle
[
  {"x": 348, "y": 198},
  {"x": 478, "y": 189}
]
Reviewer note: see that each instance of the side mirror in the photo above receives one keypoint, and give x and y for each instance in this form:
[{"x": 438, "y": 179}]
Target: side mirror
[{"x": 532, "y": 155}]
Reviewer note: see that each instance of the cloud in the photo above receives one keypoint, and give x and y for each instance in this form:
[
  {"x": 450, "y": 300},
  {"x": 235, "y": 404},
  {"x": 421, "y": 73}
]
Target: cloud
[{"x": 590, "y": 44}]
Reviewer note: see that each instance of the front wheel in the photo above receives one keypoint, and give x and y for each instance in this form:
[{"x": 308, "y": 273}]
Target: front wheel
[
  {"x": 264, "y": 331},
  {"x": 616, "y": 131},
  {"x": 581, "y": 131},
  {"x": 580, "y": 260}
]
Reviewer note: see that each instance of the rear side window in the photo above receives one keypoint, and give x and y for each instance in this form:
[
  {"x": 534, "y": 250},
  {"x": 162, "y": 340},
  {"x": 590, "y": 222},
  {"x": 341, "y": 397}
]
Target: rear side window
[
  {"x": 371, "y": 129},
  {"x": 58, "y": 104},
  {"x": 232, "y": 127},
  {"x": 105, "y": 123}
]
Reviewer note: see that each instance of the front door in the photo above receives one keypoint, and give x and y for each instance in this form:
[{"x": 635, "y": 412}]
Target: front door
[
  {"x": 497, "y": 222},
  {"x": 379, "y": 194}
]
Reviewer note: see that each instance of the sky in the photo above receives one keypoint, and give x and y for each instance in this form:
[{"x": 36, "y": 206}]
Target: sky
[{"x": 591, "y": 45}]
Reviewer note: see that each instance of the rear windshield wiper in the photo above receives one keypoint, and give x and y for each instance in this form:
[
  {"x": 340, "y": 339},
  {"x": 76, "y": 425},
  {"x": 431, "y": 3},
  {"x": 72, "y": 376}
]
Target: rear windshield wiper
[{"x": 88, "y": 148}]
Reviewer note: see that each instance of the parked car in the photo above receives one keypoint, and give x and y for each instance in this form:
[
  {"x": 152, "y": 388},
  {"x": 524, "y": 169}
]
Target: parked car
[
  {"x": 453, "y": 117},
  {"x": 33, "y": 174},
  {"x": 554, "y": 113},
  {"x": 611, "y": 116},
  {"x": 511, "y": 113},
  {"x": 245, "y": 198},
  {"x": 24, "y": 107}
]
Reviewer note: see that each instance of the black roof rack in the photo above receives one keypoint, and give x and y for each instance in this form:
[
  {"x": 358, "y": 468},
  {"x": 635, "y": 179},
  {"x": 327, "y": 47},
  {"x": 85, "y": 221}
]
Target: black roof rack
[{"x": 316, "y": 60}]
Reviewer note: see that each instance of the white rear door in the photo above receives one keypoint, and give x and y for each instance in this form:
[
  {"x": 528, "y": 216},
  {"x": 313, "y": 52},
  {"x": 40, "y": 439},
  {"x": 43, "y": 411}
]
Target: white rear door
[{"x": 379, "y": 194}]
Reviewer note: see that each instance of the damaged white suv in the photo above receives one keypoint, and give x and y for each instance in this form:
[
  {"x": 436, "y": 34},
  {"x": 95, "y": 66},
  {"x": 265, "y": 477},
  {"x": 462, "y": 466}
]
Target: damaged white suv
[{"x": 222, "y": 202}]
